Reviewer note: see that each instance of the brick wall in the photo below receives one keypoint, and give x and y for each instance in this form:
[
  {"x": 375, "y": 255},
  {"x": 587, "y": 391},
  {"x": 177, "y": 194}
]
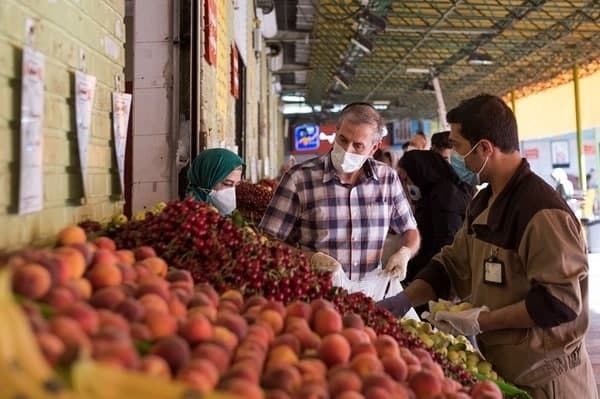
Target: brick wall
[{"x": 63, "y": 27}]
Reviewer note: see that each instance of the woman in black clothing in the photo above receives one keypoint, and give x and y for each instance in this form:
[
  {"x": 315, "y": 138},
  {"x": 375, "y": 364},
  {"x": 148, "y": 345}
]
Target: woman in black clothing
[{"x": 440, "y": 200}]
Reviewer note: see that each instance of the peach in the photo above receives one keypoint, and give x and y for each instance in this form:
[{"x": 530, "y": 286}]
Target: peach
[
  {"x": 289, "y": 340},
  {"x": 174, "y": 350},
  {"x": 363, "y": 347},
  {"x": 353, "y": 320},
  {"x": 107, "y": 298},
  {"x": 349, "y": 395},
  {"x": 180, "y": 275},
  {"x": 423, "y": 355},
  {"x": 71, "y": 235},
  {"x": 107, "y": 318},
  {"x": 153, "y": 285},
  {"x": 371, "y": 333},
  {"x": 253, "y": 349},
  {"x": 312, "y": 390},
  {"x": 280, "y": 356},
  {"x": 277, "y": 306},
  {"x": 59, "y": 297},
  {"x": 209, "y": 291},
  {"x": 105, "y": 257},
  {"x": 57, "y": 267},
  {"x": 251, "y": 314},
  {"x": 486, "y": 390},
  {"x": 355, "y": 336},
  {"x": 365, "y": 364},
  {"x": 104, "y": 275},
  {"x": 142, "y": 271},
  {"x": 184, "y": 295},
  {"x": 425, "y": 384},
  {"x": 161, "y": 324},
  {"x": 140, "y": 332},
  {"x": 386, "y": 345},
  {"x": 228, "y": 306},
  {"x": 379, "y": 379},
  {"x": 334, "y": 349},
  {"x": 87, "y": 250},
  {"x": 261, "y": 332},
  {"x": 156, "y": 265},
  {"x": 226, "y": 337},
  {"x": 299, "y": 309},
  {"x": 291, "y": 323},
  {"x": 70, "y": 333},
  {"x": 125, "y": 256},
  {"x": 84, "y": 314},
  {"x": 374, "y": 392},
  {"x": 449, "y": 385},
  {"x": 82, "y": 286},
  {"x": 320, "y": 303},
  {"x": 128, "y": 272},
  {"x": 277, "y": 394},
  {"x": 176, "y": 308},
  {"x": 206, "y": 367},
  {"x": 105, "y": 243},
  {"x": 344, "y": 380},
  {"x": 196, "y": 329},
  {"x": 209, "y": 311},
  {"x": 308, "y": 339},
  {"x": 395, "y": 366},
  {"x": 31, "y": 280},
  {"x": 51, "y": 346},
  {"x": 153, "y": 302},
  {"x": 144, "y": 252},
  {"x": 284, "y": 377},
  {"x": 312, "y": 368},
  {"x": 408, "y": 357},
  {"x": 196, "y": 380},
  {"x": 233, "y": 322},
  {"x": 255, "y": 300},
  {"x": 155, "y": 366},
  {"x": 131, "y": 310},
  {"x": 327, "y": 321},
  {"x": 242, "y": 388},
  {"x": 74, "y": 259},
  {"x": 215, "y": 352},
  {"x": 434, "y": 368},
  {"x": 244, "y": 369},
  {"x": 200, "y": 299},
  {"x": 273, "y": 318}
]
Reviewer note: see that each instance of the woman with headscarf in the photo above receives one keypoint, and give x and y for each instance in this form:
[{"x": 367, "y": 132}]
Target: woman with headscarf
[
  {"x": 440, "y": 200},
  {"x": 212, "y": 178}
]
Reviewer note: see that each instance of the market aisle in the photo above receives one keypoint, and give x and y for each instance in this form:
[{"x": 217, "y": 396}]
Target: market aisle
[{"x": 593, "y": 337}]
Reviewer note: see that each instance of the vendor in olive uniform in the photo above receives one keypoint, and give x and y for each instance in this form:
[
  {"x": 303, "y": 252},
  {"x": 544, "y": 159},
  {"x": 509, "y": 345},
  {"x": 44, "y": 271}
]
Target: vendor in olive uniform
[{"x": 520, "y": 258}]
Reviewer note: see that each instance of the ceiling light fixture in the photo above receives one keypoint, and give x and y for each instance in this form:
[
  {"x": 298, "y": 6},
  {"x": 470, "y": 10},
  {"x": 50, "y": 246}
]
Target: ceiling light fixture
[
  {"x": 480, "y": 58},
  {"x": 417, "y": 70},
  {"x": 341, "y": 81}
]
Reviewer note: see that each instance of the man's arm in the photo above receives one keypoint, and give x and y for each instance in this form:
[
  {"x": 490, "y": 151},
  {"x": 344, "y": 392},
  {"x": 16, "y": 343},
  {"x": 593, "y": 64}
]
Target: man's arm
[
  {"x": 412, "y": 240},
  {"x": 511, "y": 316}
]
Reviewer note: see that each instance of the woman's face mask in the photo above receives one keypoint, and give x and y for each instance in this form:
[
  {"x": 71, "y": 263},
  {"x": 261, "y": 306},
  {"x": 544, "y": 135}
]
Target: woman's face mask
[
  {"x": 224, "y": 200},
  {"x": 346, "y": 162}
]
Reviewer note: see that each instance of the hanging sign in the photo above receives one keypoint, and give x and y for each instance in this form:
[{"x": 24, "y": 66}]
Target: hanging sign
[
  {"x": 589, "y": 149},
  {"x": 121, "y": 107},
  {"x": 235, "y": 82},
  {"x": 532, "y": 153},
  {"x": 31, "y": 184},
  {"x": 85, "y": 88},
  {"x": 210, "y": 31}
]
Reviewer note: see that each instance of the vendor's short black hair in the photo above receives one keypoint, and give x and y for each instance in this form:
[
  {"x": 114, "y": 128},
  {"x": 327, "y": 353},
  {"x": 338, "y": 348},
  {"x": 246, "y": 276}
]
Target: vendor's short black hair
[{"x": 440, "y": 140}]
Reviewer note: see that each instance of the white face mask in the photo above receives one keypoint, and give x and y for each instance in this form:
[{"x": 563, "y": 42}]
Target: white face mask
[
  {"x": 346, "y": 162},
  {"x": 461, "y": 158},
  {"x": 223, "y": 200}
]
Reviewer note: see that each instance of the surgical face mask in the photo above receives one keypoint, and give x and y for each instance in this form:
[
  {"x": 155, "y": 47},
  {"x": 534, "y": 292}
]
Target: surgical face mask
[
  {"x": 460, "y": 159},
  {"x": 346, "y": 162},
  {"x": 223, "y": 200}
]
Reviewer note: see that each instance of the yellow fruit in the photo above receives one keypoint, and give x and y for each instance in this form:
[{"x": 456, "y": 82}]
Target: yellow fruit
[
  {"x": 484, "y": 367},
  {"x": 461, "y": 306},
  {"x": 119, "y": 220},
  {"x": 141, "y": 215},
  {"x": 440, "y": 306},
  {"x": 426, "y": 339}
]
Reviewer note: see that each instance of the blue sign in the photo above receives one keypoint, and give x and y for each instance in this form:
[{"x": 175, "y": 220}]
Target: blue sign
[{"x": 306, "y": 137}]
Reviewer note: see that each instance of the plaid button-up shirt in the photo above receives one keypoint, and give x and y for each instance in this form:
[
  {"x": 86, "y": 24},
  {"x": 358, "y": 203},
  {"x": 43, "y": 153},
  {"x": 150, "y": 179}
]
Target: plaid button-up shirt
[{"x": 313, "y": 208}]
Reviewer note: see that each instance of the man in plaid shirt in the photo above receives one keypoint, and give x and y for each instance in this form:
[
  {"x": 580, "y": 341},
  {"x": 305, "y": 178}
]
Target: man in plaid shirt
[{"x": 340, "y": 206}]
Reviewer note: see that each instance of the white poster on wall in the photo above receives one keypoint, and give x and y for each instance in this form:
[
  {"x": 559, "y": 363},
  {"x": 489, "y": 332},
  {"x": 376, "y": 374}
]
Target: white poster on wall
[
  {"x": 85, "y": 88},
  {"x": 32, "y": 116},
  {"x": 121, "y": 103}
]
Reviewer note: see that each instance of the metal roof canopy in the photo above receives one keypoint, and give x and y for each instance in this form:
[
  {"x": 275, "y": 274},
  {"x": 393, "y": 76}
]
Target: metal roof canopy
[{"x": 531, "y": 42}]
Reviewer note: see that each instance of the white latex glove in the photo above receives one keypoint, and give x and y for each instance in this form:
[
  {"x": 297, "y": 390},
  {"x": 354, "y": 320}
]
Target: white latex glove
[
  {"x": 396, "y": 264},
  {"x": 459, "y": 323},
  {"x": 324, "y": 262}
]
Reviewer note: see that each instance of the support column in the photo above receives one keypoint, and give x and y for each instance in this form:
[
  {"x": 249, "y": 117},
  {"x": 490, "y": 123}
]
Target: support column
[{"x": 580, "y": 153}]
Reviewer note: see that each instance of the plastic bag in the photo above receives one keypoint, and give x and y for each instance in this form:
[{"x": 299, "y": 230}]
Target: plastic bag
[{"x": 373, "y": 285}]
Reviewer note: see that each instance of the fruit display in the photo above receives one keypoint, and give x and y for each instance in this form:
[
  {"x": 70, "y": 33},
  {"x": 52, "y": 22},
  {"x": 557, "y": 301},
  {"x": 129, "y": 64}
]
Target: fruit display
[{"x": 96, "y": 310}]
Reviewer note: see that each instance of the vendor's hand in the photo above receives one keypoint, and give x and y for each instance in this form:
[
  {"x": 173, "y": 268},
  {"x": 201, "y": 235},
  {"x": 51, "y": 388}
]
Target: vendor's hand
[
  {"x": 465, "y": 322},
  {"x": 397, "y": 304},
  {"x": 324, "y": 262},
  {"x": 396, "y": 264}
]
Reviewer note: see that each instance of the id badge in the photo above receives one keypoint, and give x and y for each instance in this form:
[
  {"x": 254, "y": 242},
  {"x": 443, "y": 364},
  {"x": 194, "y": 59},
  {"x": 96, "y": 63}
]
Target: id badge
[{"x": 493, "y": 271}]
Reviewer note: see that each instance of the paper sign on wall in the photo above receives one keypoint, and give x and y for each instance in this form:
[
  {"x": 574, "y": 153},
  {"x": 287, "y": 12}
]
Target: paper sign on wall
[
  {"x": 85, "y": 88},
  {"x": 32, "y": 116},
  {"x": 121, "y": 105}
]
